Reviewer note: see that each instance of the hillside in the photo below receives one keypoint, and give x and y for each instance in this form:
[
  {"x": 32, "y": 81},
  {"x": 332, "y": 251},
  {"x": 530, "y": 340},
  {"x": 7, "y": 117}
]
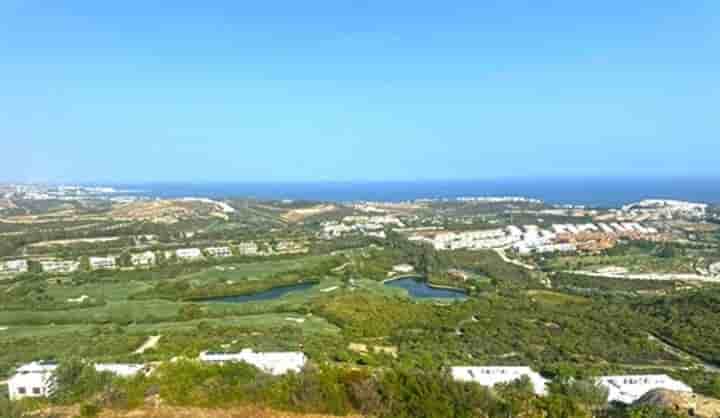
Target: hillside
[
  {"x": 166, "y": 211},
  {"x": 175, "y": 412},
  {"x": 692, "y": 404}
]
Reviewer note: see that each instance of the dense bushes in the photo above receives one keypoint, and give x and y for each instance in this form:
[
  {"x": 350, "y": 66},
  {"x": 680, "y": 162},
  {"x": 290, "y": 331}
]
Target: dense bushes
[{"x": 391, "y": 393}]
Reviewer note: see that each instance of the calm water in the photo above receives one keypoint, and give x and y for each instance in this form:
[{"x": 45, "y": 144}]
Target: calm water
[
  {"x": 417, "y": 288},
  {"x": 586, "y": 191},
  {"x": 274, "y": 293}
]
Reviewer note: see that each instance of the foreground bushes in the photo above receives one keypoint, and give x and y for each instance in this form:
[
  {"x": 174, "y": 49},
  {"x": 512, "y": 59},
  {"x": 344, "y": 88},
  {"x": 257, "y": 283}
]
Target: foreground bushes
[{"x": 391, "y": 393}]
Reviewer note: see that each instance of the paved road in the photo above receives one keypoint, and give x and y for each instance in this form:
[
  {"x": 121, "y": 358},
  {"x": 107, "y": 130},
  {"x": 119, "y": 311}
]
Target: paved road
[
  {"x": 150, "y": 343},
  {"x": 679, "y": 352},
  {"x": 501, "y": 253}
]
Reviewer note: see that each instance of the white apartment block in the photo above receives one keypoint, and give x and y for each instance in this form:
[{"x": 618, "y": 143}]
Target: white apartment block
[
  {"x": 14, "y": 267},
  {"x": 189, "y": 254},
  {"x": 59, "y": 266},
  {"x": 102, "y": 263},
  {"x": 219, "y": 252},
  {"x": 272, "y": 363},
  {"x": 630, "y": 388},
  {"x": 247, "y": 248},
  {"x": 146, "y": 258},
  {"x": 491, "y": 376}
]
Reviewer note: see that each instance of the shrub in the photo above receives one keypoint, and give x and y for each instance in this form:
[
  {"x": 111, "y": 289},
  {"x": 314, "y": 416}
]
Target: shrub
[{"x": 78, "y": 381}]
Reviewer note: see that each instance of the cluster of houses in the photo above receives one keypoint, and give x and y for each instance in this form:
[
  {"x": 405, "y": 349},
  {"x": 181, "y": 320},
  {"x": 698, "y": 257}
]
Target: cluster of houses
[
  {"x": 624, "y": 389},
  {"x": 150, "y": 258},
  {"x": 142, "y": 259},
  {"x": 665, "y": 209},
  {"x": 530, "y": 239},
  {"x": 37, "y": 379},
  {"x": 366, "y": 225},
  {"x": 469, "y": 240}
]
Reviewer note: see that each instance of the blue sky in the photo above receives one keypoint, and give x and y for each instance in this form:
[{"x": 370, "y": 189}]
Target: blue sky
[{"x": 363, "y": 90}]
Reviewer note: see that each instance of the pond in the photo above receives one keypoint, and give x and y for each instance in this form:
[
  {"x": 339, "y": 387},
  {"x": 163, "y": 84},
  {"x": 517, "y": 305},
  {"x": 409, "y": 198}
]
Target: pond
[
  {"x": 417, "y": 288},
  {"x": 274, "y": 293}
]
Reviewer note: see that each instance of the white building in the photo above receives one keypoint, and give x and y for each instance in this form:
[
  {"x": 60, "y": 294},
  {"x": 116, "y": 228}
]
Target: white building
[
  {"x": 102, "y": 263},
  {"x": 120, "y": 369},
  {"x": 14, "y": 267},
  {"x": 514, "y": 231},
  {"x": 219, "y": 251},
  {"x": 606, "y": 228},
  {"x": 147, "y": 258},
  {"x": 33, "y": 380},
  {"x": 273, "y": 363},
  {"x": 628, "y": 389},
  {"x": 188, "y": 254},
  {"x": 59, "y": 266},
  {"x": 403, "y": 268},
  {"x": 247, "y": 248},
  {"x": 491, "y": 376}
]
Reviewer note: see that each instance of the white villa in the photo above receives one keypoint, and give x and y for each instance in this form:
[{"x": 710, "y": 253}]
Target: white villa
[
  {"x": 102, "y": 263},
  {"x": 491, "y": 376},
  {"x": 272, "y": 363},
  {"x": 120, "y": 369},
  {"x": 147, "y": 258},
  {"x": 189, "y": 254},
  {"x": 33, "y": 380},
  {"x": 628, "y": 389},
  {"x": 37, "y": 380},
  {"x": 219, "y": 251}
]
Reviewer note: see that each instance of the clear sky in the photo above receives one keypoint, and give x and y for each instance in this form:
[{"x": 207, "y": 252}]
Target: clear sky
[{"x": 357, "y": 90}]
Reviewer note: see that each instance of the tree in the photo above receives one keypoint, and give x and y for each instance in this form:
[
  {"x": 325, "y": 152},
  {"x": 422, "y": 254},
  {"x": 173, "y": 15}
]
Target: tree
[{"x": 125, "y": 259}]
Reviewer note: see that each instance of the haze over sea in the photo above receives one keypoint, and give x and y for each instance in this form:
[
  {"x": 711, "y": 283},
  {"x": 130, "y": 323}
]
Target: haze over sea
[{"x": 582, "y": 191}]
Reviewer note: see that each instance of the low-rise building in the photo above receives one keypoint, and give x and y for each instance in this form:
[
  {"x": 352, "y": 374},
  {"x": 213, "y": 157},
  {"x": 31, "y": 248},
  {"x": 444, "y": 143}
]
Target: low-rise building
[
  {"x": 630, "y": 388},
  {"x": 14, "y": 267},
  {"x": 102, "y": 263},
  {"x": 32, "y": 380},
  {"x": 59, "y": 266},
  {"x": 273, "y": 363},
  {"x": 247, "y": 248},
  {"x": 403, "y": 268},
  {"x": 219, "y": 251},
  {"x": 189, "y": 254},
  {"x": 147, "y": 258},
  {"x": 491, "y": 376},
  {"x": 120, "y": 369}
]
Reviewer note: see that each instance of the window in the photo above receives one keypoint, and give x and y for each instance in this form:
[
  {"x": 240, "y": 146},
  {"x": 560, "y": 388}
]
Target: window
[
  {"x": 22, "y": 391},
  {"x": 36, "y": 391}
]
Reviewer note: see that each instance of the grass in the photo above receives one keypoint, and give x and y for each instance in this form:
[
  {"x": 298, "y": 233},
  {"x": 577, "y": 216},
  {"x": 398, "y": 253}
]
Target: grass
[
  {"x": 121, "y": 312},
  {"x": 262, "y": 322},
  {"x": 554, "y": 298},
  {"x": 634, "y": 263},
  {"x": 256, "y": 270}
]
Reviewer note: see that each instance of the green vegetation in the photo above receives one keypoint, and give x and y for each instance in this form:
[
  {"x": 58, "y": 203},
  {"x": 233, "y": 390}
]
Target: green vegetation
[
  {"x": 635, "y": 256},
  {"x": 374, "y": 350}
]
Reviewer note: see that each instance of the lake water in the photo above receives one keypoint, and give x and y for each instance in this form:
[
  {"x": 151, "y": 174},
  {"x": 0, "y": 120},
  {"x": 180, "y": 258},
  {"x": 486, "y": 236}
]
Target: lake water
[
  {"x": 274, "y": 293},
  {"x": 419, "y": 289}
]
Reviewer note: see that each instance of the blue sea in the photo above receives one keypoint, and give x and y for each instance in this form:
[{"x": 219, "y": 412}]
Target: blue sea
[{"x": 596, "y": 192}]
